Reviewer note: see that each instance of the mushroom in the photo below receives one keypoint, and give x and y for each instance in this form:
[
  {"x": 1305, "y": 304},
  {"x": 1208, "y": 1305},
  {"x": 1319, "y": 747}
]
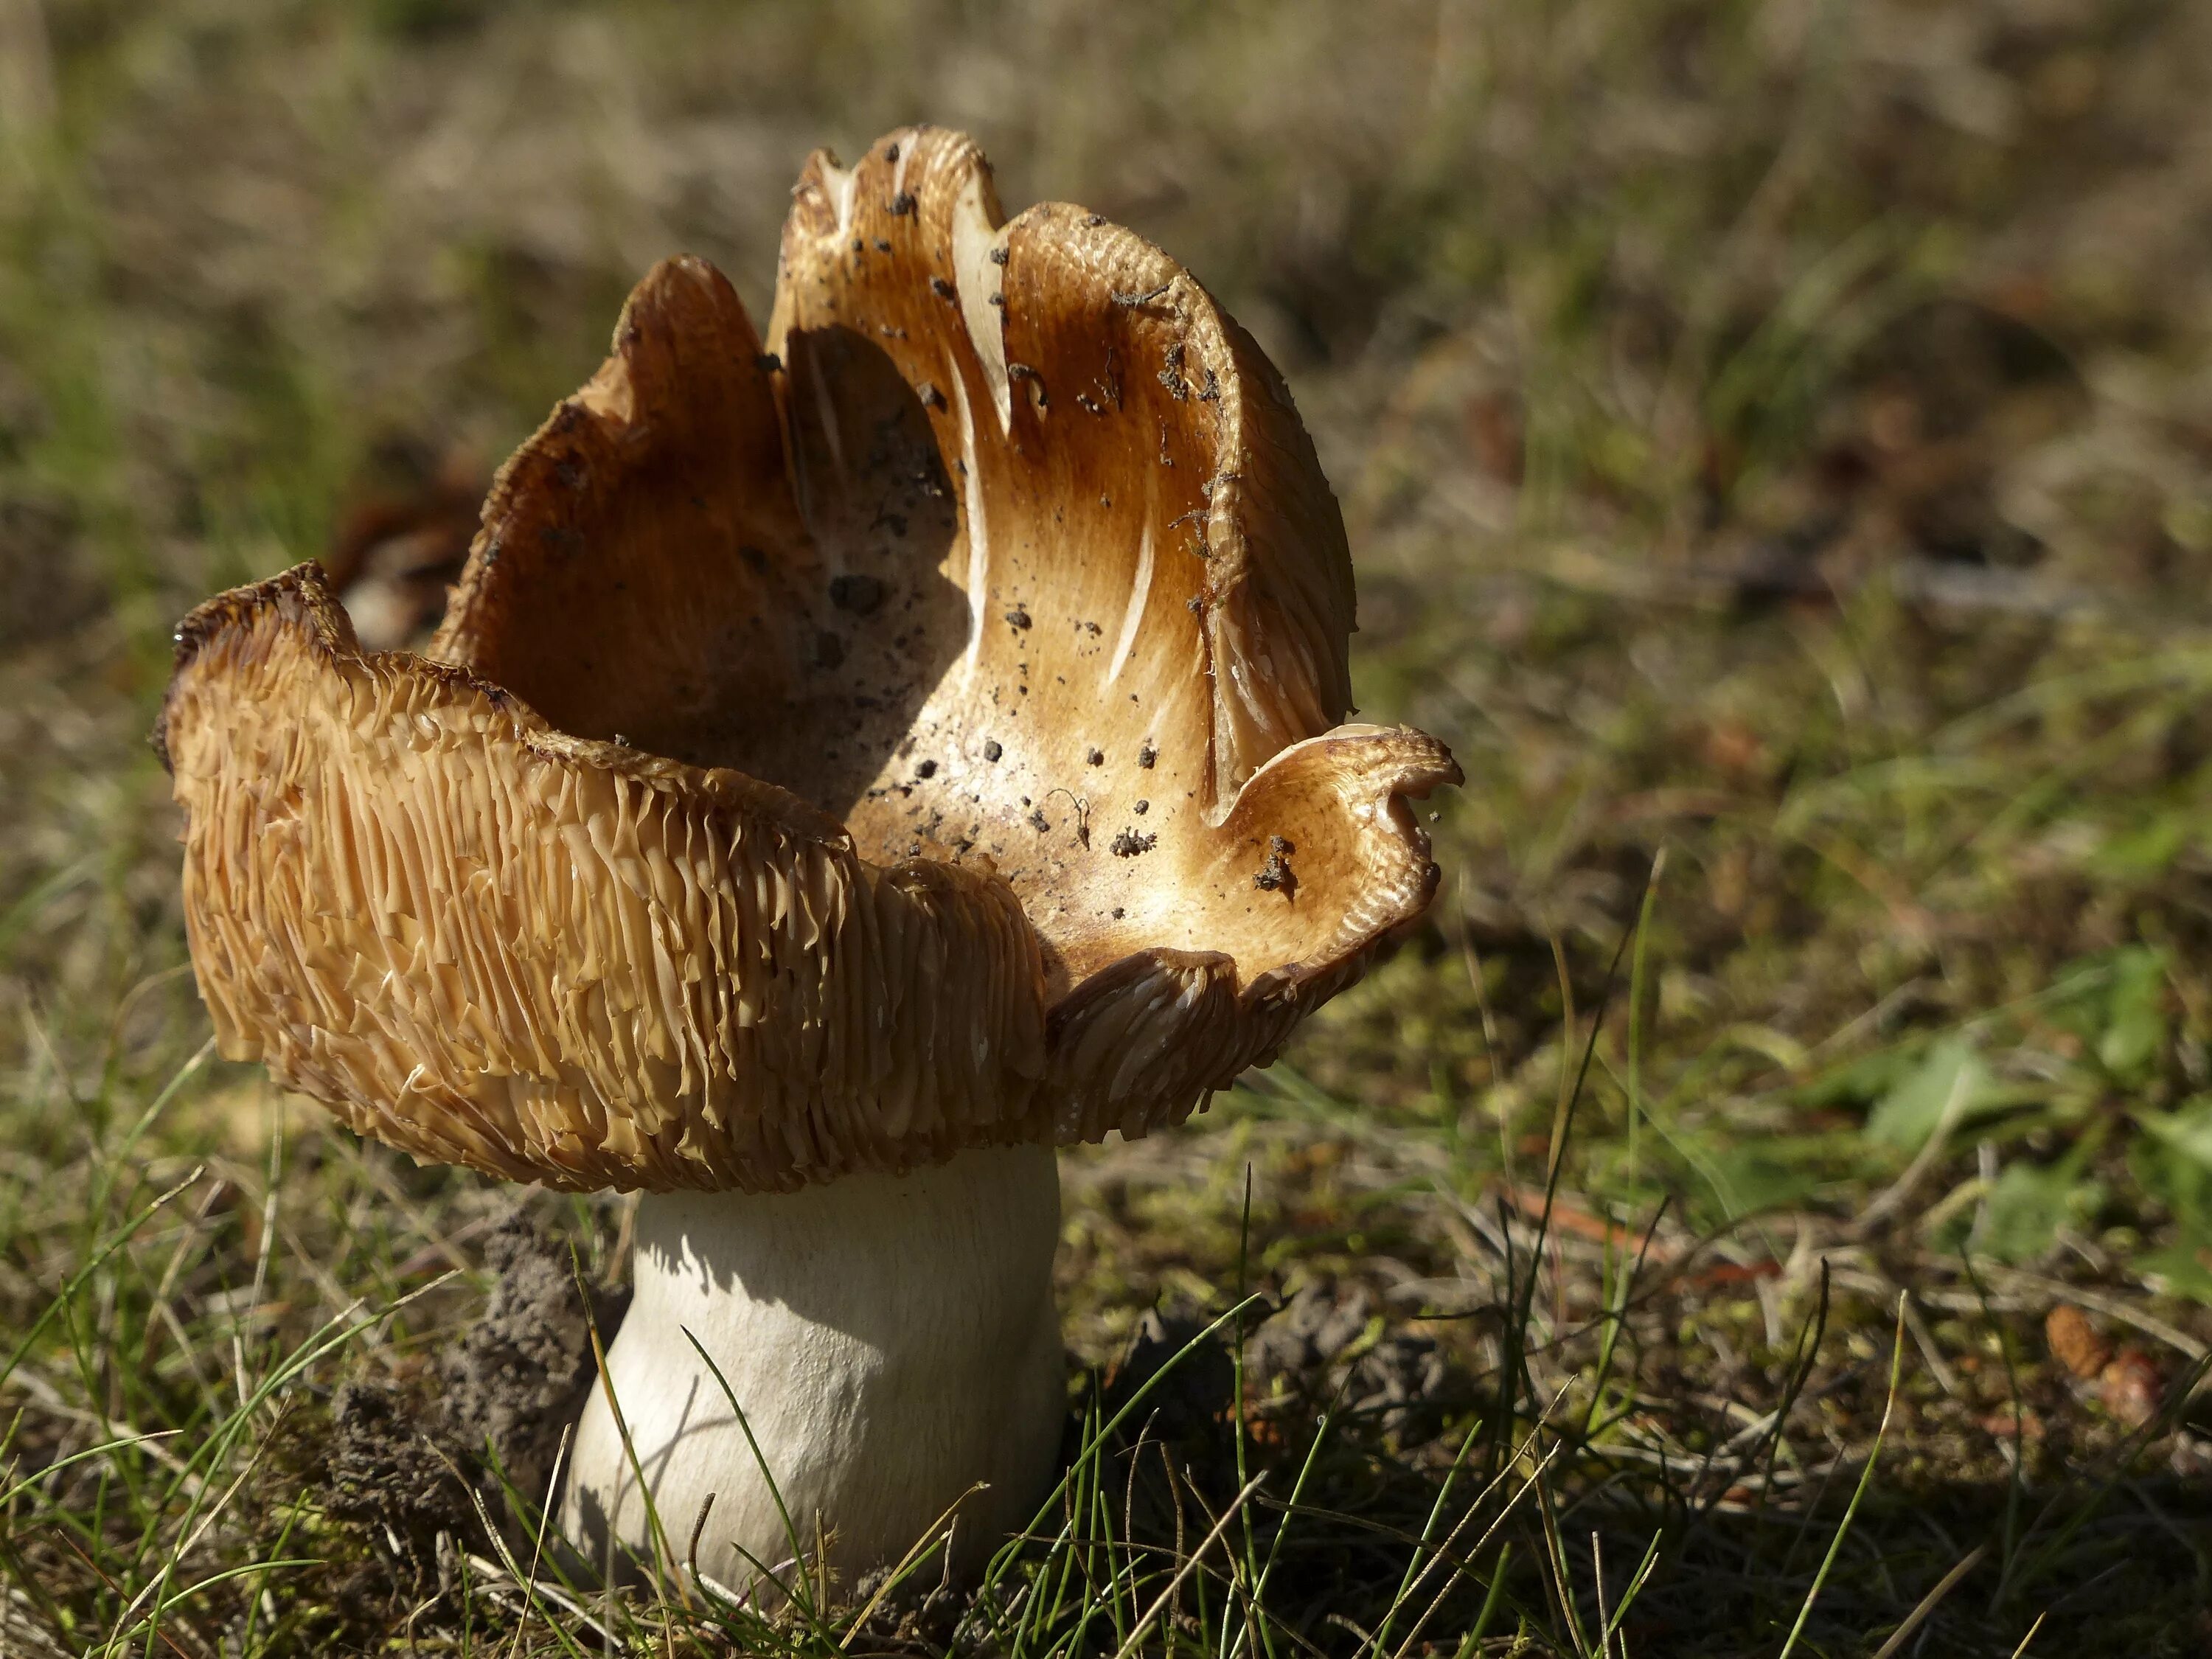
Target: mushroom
[{"x": 848, "y": 769}]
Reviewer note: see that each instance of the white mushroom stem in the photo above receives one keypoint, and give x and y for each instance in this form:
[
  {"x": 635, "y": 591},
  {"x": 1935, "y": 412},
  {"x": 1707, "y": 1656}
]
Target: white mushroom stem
[{"x": 892, "y": 1341}]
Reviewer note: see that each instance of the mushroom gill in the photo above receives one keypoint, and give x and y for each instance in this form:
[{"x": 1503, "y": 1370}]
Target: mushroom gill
[
  {"x": 918, "y": 732},
  {"x": 556, "y": 959}
]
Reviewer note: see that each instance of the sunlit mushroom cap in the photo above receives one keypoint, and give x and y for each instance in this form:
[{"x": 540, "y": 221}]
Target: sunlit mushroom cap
[{"x": 919, "y": 733}]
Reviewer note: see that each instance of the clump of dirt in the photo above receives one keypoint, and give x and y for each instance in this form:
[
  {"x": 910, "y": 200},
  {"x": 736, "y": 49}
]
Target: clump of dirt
[
  {"x": 521, "y": 1376},
  {"x": 409, "y": 1465},
  {"x": 1326, "y": 1344},
  {"x": 389, "y": 1471},
  {"x": 920, "y": 1614},
  {"x": 1192, "y": 1383},
  {"x": 1314, "y": 1326}
]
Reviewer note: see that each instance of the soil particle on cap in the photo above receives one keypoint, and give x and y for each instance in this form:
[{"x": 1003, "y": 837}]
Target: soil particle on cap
[
  {"x": 1148, "y": 756},
  {"x": 1171, "y": 375},
  {"x": 1096, "y": 758},
  {"x": 1130, "y": 843},
  {"x": 992, "y": 750},
  {"x": 1141, "y": 808},
  {"x": 925, "y": 769},
  {"x": 1018, "y": 618},
  {"x": 1275, "y": 874},
  {"x": 861, "y": 595}
]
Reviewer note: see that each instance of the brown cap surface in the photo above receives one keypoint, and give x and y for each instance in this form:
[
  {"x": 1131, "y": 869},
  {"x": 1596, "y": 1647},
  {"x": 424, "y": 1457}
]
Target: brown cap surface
[{"x": 921, "y": 732}]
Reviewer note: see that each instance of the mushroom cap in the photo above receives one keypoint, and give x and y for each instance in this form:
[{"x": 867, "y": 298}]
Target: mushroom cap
[{"x": 921, "y": 734}]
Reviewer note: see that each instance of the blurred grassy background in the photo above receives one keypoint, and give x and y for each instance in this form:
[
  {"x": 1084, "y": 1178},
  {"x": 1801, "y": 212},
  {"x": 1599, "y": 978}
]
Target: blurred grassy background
[{"x": 1779, "y": 435}]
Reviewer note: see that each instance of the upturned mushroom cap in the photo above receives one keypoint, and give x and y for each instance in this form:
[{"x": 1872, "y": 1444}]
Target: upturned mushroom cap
[{"x": 921, "y": 734}]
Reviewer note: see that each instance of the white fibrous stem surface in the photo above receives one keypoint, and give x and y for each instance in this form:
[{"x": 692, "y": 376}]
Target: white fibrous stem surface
[{"x": 892, "y": 1341}]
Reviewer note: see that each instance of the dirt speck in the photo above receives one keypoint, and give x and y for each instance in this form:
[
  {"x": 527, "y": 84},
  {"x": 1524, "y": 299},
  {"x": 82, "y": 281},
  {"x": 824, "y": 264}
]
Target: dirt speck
[{"x": 861, "y": 595}]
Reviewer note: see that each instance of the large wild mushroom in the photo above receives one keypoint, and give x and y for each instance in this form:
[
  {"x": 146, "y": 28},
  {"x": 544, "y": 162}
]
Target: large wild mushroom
[{"x": 847, "y": 770}]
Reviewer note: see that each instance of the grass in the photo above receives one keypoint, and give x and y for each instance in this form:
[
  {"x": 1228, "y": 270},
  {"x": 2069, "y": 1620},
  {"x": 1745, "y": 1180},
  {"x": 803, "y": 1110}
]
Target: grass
[{"x": 1776, "y": 444}]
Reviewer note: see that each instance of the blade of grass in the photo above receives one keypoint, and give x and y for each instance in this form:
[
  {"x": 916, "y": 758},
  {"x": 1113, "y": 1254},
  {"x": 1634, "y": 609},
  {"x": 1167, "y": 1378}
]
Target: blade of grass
[
  {"x": 77, "y": 1280},
  {"x": 806, "y": 1602},
  {"x": 1003, "y": 1560},
  {"x": 1637, "y": 982},
  {"x": 1929, "y": 1602},
  {"x": 1129, "y": 1644},
  {"x": 1858, "y": 1495},
  {"x": 661, "y": 1552}
]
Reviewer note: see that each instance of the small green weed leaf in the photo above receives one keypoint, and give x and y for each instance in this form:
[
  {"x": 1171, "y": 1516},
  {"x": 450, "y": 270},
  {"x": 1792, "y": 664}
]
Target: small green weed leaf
[
  {"x": 1865, "y": 1080},
  {"x": 2027, "y": 1205},
  {"x": 2187, "y": 1129},
  {"x": 2135, "y": 1014},
  {"x": 1950, "y": 1080},
  {"x": 2144, "y": 850},
  {"x": 2181, "y": 1268},
  {"x": 1751, "y": 1181},
  {"x": 2171, "y": 1161}
]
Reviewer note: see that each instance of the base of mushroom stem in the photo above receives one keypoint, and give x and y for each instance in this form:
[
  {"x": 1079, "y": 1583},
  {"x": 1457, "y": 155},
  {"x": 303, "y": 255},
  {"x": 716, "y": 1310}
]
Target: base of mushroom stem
[{"x": 892, "y": 1341}]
